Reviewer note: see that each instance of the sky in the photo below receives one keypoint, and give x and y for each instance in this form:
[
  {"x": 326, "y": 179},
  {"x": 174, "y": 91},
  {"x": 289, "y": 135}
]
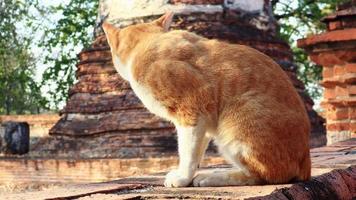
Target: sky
[{"x": 37, "y": 51}]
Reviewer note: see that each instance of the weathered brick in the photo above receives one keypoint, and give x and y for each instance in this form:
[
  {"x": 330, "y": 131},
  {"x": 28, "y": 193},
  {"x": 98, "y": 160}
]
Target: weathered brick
[
  {"x": 328, "y": 72},
  {"x": 338, "y": 70},
  {"x": 338, "y": 126},
  {"x": 353, "y": 126},
  {"x": 341, "y": 91},
  {"x": 332, "y": 36},
  {"x": 342, "y": 113},
  {"x": 329, "y": 93},
  {"x": 334, "y": 25},
  {"x": 350, "y": 67},
  {"x": 331, "y": 58},
  {"x": 352, "y": 89},
  {"x": 352, "y": 112}
]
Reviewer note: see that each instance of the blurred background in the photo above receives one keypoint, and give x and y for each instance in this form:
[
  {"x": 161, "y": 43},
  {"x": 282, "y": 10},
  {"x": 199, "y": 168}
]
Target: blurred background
[{"x": 66, "y": 116}]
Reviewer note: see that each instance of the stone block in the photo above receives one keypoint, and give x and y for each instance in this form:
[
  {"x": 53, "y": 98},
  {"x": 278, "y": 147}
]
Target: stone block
[
  {"x": 338, "y": 70},
  {"x": 351, "y": 67},
  {"x": 337, "y": 136},
  {"x": 352, "y": 90},
  {"x": 338, "y": 126},
  {"x": 337, "y": 114},
  {"x": 337, "y": 57},
  {"x": 353, "y": 126},
  {"x": 328, "y": 72},
  {"x": 341, "y": 91},
  {"x": 14, "y": 138},
  {"x": 352, "y": 113},
  {"x": 329, "y": 93},
  {"x": 334, "y": 25}
]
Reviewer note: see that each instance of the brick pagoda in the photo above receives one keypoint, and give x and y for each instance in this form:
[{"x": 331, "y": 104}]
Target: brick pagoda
[{"x": 335, "y": 50}]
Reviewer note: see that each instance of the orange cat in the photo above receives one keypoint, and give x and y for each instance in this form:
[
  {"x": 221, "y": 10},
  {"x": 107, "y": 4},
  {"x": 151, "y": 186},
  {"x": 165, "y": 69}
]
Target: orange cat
[{"x": 211, "y": 90}]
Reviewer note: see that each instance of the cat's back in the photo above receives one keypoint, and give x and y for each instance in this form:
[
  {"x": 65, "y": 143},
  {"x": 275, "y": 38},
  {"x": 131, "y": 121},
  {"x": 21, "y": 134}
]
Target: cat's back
[{"x": 240, "y": 67}]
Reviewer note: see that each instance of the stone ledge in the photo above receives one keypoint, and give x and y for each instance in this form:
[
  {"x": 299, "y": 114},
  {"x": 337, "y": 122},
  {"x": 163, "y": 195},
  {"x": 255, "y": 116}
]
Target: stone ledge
[
  {"x": 337, "y": 184},
  {"x": 341, "y": 182},
  {"x": 334, "y": 36}
]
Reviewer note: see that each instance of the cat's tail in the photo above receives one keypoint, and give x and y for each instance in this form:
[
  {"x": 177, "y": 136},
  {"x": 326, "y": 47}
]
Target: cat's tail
[{"x": 305, "y": 168}]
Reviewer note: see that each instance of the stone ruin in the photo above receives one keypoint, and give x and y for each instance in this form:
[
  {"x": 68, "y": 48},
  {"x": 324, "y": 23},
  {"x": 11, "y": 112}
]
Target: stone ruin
[
  {"x": 104, "y": 118},
  {"x": 335, "y": 50},
  {"x": 14, "y": 138}
]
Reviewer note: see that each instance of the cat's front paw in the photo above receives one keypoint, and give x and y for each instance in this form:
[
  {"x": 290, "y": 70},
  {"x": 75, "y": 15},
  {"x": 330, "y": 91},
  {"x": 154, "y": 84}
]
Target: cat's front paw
[{"x": 175, "y": 179}]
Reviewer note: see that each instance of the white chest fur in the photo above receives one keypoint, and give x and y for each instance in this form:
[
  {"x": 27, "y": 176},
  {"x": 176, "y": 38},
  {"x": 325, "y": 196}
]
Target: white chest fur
[
  {"x": 142, "y": 92},
  {"x": 121, "y": 67}
]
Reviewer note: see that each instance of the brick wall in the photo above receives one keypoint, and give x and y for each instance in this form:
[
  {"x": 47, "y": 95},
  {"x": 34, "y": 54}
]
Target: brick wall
[{"x": 49, "y": 170}]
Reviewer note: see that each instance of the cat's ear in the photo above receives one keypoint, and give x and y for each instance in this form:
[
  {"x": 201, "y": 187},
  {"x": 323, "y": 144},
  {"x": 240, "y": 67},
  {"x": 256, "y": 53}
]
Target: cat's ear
[
  {"x": 111, "y": 33},
  {"x": 165, "y": 20}
]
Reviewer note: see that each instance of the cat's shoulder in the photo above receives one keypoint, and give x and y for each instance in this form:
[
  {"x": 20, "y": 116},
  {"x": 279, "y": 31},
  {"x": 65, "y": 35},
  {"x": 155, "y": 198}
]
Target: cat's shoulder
[{"x": 183, "y": 35}]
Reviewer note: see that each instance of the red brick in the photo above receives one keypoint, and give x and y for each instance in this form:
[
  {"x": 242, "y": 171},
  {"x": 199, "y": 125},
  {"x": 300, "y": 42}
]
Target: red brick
[
  {"x": 351, "y": 68},
  {"x": 352, "y": 89},
  {"x": 329, "y": 93},
  {"x": 327, "y": 106},
  {"x": 333, "y": 36},
  {"x": 331, "y": 58},
  {"x": 338, "y": 126},
  {"x": 352, "y": 112},
  {"x": 338, "y": 114},
  {"x": 339, "y": 70},
  {"x": 324, "y": 59},
  {"x": 341, "y": 91},
  {"x": 334, "y": 25},
  {"x": 328, "y": 72},
  {"x": 353, "y": 126}
]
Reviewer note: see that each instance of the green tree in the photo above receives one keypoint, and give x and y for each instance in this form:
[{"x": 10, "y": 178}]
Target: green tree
[
  {"x": 19, "y": 92},
  {"x": 298, "y": 19},
  {"x": 70, "y": 33}
]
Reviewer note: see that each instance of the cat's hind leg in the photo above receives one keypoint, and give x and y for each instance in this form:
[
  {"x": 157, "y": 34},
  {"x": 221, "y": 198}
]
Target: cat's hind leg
[
  {"x": 238, "y": 175},
  {"x": 224, "y": 177}
]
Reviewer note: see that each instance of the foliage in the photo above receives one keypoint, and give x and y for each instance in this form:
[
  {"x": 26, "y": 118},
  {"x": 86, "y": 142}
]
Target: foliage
[
  {"x": 299, "y": 19},
  {"x": 19, "y": 92},
  {"x": 67, "y": 37}
]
